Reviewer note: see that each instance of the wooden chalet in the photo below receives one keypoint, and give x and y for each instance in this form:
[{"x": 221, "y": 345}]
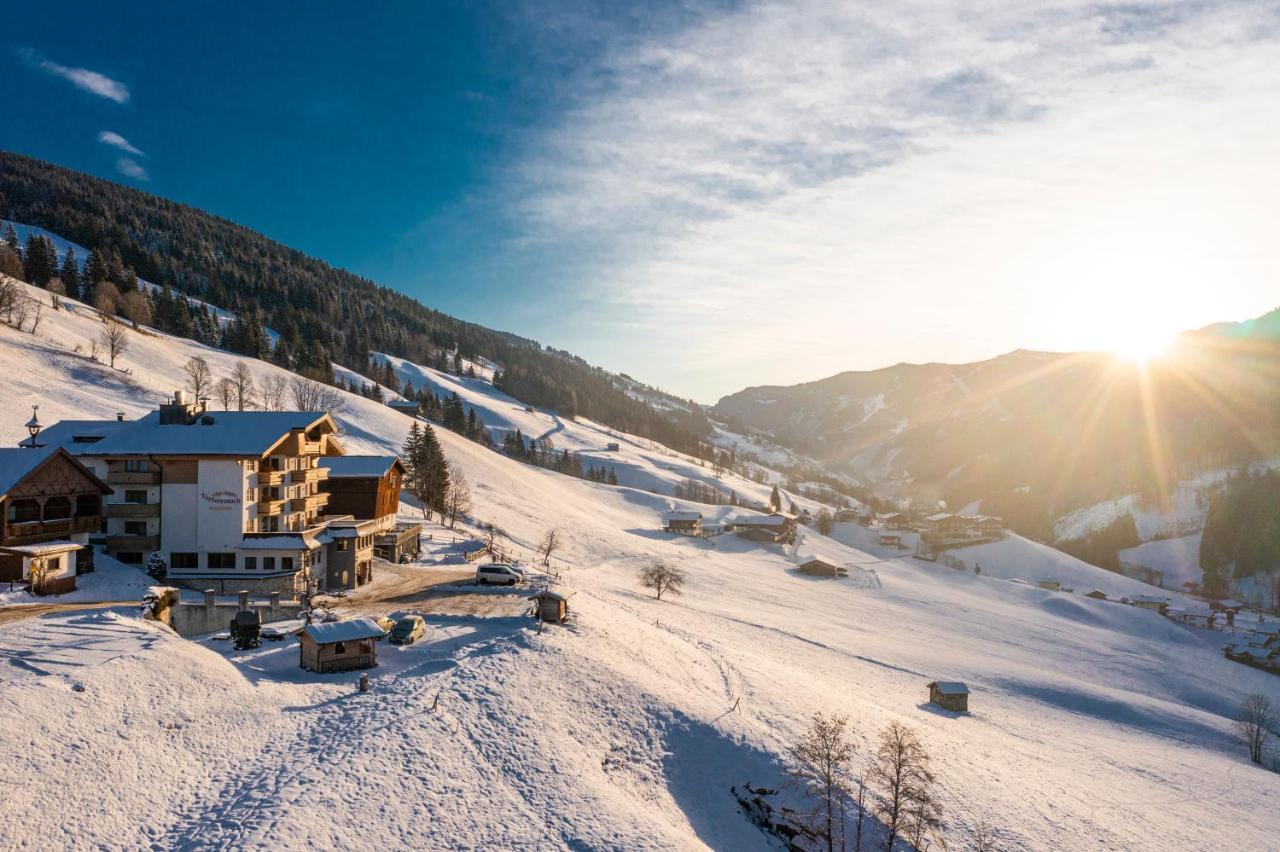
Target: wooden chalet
[
  {"x": 888, "y": 539},
  {"x": 47, "y": 496},
  {"x": 411, "y": 407},
  {"x": 339, "y": 646},
  {"x": 950, "y": 695},
  {"x": 846, "y": 516},
  {"x": 682, "y": 521},
  {"x": 365, "y": 487}
]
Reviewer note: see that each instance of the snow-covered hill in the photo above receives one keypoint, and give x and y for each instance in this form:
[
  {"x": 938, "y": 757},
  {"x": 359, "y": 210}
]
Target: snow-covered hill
[{"x": 1093, "y": 725}]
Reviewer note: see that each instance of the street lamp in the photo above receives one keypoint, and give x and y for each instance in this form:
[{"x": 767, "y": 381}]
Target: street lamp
[{"x": 33, "y": 427}]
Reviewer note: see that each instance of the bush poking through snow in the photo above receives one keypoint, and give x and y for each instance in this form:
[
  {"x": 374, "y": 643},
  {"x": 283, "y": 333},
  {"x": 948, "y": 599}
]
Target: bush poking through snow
[
  {"x": 662, "y": 578},
  {"x": 1258, "y": 721},
  {"x": 822, "y": 767}
]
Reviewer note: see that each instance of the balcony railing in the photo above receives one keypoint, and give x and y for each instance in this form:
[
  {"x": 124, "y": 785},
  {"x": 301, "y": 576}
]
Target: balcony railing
[
  {"x": 270, "y": 477},
  {"x": 132, "y": 542},
  {"x": 133, "y": 510},
  {"x": 133, "y": 477},
  {"x": 32, "y": 532}
]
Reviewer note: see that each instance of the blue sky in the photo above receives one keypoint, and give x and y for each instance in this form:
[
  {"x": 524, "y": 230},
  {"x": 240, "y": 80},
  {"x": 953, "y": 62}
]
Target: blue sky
[{"x": 707, "y": 196}]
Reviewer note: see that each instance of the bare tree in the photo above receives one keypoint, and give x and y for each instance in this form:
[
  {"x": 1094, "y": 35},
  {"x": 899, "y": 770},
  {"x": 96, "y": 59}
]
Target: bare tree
[
  {"x": 39, "y": 569},
  {"x": 458, "y": 502},
  {"x": 56, "y": 291},
  {"x": 199, "y": 377},
  {"x": 37, "y": 314},
  {"x": 243, "y": 381},
  {"x": 662, "y": 578},
  {"x": 135, "y": 308},
  {"x": 106, "y": 298},
  {"x": 115, "y": 339},
  {"x": 821, "y": 765},
  {"x": 549, "y": 545},
  {"x": 273, "y": 391},
  {"x": 226, "y": 392},
  {"x": 310, "y": 395},
  {"x": 10, "y": 293},
  {"x": 1256, "y": 723},
  {"x": 907, "y": 805}
]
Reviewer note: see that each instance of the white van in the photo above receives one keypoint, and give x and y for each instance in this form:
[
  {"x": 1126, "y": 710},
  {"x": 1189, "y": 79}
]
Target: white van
[{"x": 498, "y": 574}]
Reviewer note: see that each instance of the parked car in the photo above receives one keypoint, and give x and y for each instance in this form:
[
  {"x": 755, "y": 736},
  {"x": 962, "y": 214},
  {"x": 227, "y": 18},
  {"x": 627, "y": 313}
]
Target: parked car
[
  {"x": 498, "y": 574},
  {"x": 386, "y": 622},
  {"x": 408, "y": 630}
]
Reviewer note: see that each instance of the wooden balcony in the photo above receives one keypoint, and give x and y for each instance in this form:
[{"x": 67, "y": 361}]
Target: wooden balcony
[
  {"x": 271, "y": 507},
  {"x": 118, "y": 543},
  {"x": 132, "y": 510},
  {"x": 311, "y": 474},
  {"x": 310, "y": 503},
  {"x": 33, "y": 532},
  {"x": 133, "y": 477},
  {"x": 270, "y": 477}
]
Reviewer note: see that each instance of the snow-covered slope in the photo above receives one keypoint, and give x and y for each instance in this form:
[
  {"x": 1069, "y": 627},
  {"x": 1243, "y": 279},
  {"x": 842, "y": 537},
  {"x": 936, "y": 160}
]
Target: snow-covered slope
[
  {"x": 638, "y": 462},
  {"x": 1093, "y": 725}
]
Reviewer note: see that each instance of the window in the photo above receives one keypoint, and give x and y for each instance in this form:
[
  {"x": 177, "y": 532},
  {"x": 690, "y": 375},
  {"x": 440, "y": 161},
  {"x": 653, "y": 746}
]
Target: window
[
  {"x": 184, "y": 561},
  {"x": 137, "y": 465},
  {"x": 57, "y": 508},
  {"x": 339, "y": 647},
  {"x": 24, "y": 511},
  {"x": 342, "y": 544},
  {"x": 88, "y": 505},
  {"x": 251, "y": 466},
  {"x": 286, "y": 563},
  {"x": 221, "y": 561},
  {"x": 251, "y": 563},
  {"x": 268, "y": 563},
  {"x": 135, "y": 527},
  {"x": 135, "y": 495}
]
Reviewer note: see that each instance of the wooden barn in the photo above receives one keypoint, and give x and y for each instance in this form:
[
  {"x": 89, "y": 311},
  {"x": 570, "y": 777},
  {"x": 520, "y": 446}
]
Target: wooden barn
[
  {"x": 552, "y": 606},
  {"x": 890, "y": 540},
  {"x": 339, "y": 646},
  {"x": 816, "y": 566},
  {"x": 949, "y": 695}
]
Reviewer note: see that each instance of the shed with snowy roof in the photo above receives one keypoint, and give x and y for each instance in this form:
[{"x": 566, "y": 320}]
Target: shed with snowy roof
[
  {"x": 339, "y": 646},
  {"x": 949, "y": 695},
  {"x": 682, "y": 521}
]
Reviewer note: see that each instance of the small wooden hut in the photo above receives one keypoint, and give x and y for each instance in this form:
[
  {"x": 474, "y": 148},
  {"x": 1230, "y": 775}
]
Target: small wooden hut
[
  {"x": 552, "y": 606},
  {"x": 339, "y": 646},
  {"x": 949, "y": 695},
  {"x": 816, "y": 566}
]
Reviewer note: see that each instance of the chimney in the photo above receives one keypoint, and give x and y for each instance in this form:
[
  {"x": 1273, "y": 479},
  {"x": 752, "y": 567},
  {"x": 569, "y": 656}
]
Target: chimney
[{"x": 179, "y": 412}]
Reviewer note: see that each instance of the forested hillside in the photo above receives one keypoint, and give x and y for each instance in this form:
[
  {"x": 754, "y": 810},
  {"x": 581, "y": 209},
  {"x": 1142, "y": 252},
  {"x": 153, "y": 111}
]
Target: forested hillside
[
  {"x": 1242, "y": 531},
  {"x": 320, "y": 312}
]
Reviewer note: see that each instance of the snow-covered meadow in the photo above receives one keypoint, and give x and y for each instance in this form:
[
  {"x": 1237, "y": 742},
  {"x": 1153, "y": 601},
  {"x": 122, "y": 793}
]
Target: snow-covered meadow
[{"x": 1093, "y": 725}]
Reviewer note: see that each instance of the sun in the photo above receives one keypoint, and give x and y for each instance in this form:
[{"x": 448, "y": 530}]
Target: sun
[{"x": 1140, "y": 346}]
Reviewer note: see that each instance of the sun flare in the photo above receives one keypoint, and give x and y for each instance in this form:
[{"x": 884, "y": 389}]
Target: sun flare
[{"x": 1142, "y": 346}]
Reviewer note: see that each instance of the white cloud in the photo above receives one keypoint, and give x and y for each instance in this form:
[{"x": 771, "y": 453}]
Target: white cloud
[
  {"x": 787, "y": 190},
  {"x": 82, "y": 78},
  {"x": 115, "y": 140},
  {"x": 130, "y": 167}
]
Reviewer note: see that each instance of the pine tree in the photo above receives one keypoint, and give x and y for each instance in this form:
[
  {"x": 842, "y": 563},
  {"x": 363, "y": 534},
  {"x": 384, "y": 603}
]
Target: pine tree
[
  {"x": 455, "y": 419},
  {"x": 70, "y": 273},
  {"x": 11, "y": 238},
  {"x": 39, "y": 260}
]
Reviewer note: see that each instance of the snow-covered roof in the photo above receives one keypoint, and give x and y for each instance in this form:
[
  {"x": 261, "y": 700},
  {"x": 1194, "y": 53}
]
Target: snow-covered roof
[
  {"x": 941, "y": 516},
  {"x": 1148, "y": 599},
  {"x": 1197, "y": 610},
  {"x": 1230, "y": 603},
  {"x": 357, "y": 467},
  {"x": 555, "y": 596},
  {"x": 350, "y": 630},
  {"x": 279, "y": 542},
  {"x": 81, "y": 436},
  {"x": 950, "y": 687},
  {"x": 760, "y": 520},
  {"x": 682, "y": 515},
  {"x": 43, "y": 548},
  {"x": 214, "y": 433},
  {"x": 17, "y": 462}
]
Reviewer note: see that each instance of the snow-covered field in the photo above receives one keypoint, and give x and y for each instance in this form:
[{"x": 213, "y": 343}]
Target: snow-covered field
[{"x": 1093, "y": 725}]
